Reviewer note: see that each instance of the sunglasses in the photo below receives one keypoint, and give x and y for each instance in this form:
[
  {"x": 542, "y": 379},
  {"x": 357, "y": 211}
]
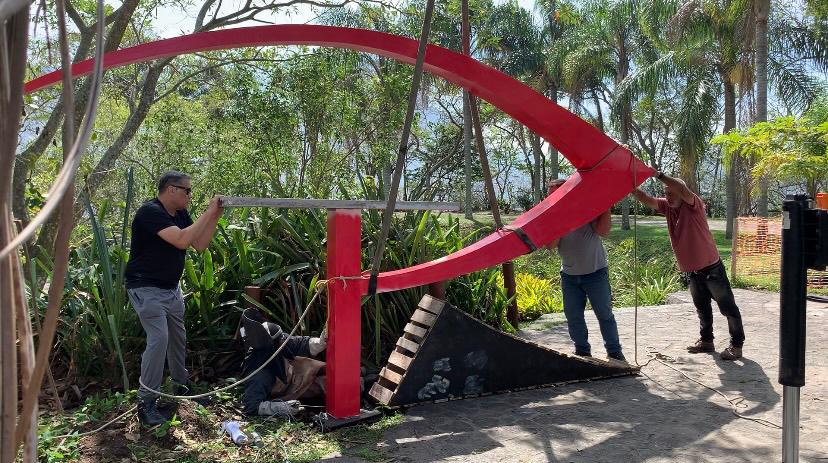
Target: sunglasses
[{"x": 189, "y": 191}]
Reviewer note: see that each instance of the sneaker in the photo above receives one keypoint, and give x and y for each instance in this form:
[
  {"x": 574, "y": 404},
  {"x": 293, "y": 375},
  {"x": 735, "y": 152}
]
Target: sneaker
[
  {"x": 189, "y": 389},
  {"x": 617, "y": 356},
  {"x": 148, "y": 413},
  {"x": 701, "y": 346},
  {"x": 581, "y": 353},
  {"x": 732, "y": 353}
]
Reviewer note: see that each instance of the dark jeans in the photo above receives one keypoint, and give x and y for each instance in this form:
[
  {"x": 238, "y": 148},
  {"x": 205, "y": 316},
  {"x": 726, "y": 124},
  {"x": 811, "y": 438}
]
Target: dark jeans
[
  {"x": 708, "y": 284},
  {"x": 595, "y": 286}
]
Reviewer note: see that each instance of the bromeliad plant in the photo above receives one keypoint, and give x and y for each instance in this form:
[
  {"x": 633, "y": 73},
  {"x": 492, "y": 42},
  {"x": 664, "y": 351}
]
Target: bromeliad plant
[
  {"x": 102, "y": 313},
  {"x": 536, "y": 296},
  {"x": 281, "y": 251}
]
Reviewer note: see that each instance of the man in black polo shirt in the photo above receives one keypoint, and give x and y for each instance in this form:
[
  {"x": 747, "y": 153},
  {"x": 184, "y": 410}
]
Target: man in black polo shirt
[{"x": 161, "y": 233}]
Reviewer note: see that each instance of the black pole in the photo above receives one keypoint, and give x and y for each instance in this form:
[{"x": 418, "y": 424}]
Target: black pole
[{"x": 792, "y": 286}]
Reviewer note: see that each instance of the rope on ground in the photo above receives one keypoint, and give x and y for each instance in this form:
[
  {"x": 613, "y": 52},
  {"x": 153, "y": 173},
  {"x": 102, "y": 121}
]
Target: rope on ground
[
  {"x": 320, "y": 286},
  {"x": 735, "y": 403},
  {"x": 103, "y": 426}
]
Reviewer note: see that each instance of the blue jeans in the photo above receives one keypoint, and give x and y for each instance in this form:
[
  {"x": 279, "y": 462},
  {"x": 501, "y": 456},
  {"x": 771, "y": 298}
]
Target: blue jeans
[{"x": 595, "y": 286}]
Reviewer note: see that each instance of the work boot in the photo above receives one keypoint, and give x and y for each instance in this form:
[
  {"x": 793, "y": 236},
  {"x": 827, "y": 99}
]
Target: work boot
[
  {"x": 189, "y": 389},
  {"x": 617, "y": 356},
  {"x": 701, "y": 346},
  {"x": 148, "y": 413},
  {"x": 732, "y": 353}
]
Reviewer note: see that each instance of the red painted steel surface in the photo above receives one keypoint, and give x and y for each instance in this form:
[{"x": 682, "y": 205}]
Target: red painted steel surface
[
  {"x": 578, "y": 141},
  {"x": 583, "y": 197},
  {"x": 343, "y": 355}
]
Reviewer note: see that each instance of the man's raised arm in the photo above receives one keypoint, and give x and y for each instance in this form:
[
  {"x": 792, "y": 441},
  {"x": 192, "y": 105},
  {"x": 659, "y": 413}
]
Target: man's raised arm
[
  {"x": 677, "y": 186},
  {"x": 645, "y": 199},
  {"x": 183, "y": 238}
]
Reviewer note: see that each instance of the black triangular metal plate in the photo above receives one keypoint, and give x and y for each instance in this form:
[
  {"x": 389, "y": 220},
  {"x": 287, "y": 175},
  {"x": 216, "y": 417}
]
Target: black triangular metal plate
[{"x": 460, "y": 356}]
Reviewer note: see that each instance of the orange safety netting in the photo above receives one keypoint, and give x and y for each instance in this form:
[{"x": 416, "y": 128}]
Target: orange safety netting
[{"x": 758, "y": 252}]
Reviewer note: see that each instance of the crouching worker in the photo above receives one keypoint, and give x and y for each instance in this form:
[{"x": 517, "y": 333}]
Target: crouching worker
[{"x": 291, "y": 375}]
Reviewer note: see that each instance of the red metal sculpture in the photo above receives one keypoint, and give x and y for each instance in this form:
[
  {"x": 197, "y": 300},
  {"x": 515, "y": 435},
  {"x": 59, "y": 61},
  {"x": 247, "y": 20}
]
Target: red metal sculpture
[{"x": 607, "y": 171}]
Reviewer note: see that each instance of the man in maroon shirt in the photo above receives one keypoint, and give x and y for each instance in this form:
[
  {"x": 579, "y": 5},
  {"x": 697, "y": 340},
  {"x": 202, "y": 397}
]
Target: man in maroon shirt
[{"x": 698, "y": 258}]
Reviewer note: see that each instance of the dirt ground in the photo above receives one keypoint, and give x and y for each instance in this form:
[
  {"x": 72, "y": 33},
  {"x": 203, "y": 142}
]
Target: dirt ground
[{"x": 658, "y": 416}]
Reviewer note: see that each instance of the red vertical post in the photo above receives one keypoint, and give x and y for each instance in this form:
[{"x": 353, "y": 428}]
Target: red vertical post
[{"x": 343, "y": 356}]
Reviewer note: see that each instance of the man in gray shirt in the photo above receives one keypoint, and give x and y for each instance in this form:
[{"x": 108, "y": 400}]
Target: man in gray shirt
[{"x": 584, "y": 275}]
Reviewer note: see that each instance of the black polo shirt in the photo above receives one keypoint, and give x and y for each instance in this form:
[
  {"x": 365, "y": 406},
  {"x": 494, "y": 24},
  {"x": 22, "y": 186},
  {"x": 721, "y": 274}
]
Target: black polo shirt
[{"x": 153, "y": 261}]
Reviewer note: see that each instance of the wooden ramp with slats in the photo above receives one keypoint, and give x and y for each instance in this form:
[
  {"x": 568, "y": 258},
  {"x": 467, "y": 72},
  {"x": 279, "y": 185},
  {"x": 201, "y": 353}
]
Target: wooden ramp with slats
[{"x": 445, "y": 354}]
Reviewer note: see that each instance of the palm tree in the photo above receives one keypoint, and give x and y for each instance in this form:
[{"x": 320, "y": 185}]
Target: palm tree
[
  {"x": 559, "y": 23},
  {"x": 704, "y": 46},
  {"x": 761, "y": 9},
  {"x": 516, "y": 46},
  {"x": 605, "y": 41}
]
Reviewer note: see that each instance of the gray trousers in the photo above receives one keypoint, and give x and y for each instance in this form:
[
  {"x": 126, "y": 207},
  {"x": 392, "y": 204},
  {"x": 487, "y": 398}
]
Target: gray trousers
[{"x": 161, "y": 312}]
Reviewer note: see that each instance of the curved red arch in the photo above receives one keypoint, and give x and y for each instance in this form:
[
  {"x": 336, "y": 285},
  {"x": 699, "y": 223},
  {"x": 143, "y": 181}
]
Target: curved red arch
[{"x": 607, "y": 170}]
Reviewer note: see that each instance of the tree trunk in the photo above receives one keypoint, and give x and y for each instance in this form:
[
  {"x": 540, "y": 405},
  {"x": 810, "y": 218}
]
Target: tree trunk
[
  {"x": 507, "y": 267},
  {"x": 15, "y": 29},
  {"x": 730, "y": 123},
  {"x": 688, "y": 163},
  {"x": 33, "y": 152},
  {"x": 467, "y": 123},
  {"x": 552, "y": 86},
  {"x": 554, "y": 163},
  {"x": 29, "y": 156},
  {"x": 762, "y": 10},
  {"x": 467, "y": 161},
  {"x": 537, "y": 157},
  {"x": 623, "y": 70},
  {"x": 112, "y": 154},
  {"x": 599, "y": 115}
]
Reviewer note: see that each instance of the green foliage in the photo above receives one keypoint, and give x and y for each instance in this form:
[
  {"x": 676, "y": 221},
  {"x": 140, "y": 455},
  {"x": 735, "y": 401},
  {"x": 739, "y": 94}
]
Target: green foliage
[
  {"x": 98, "y": 284},
  {"x": 787, "y": 148},
  {"x": 95, "y": 409},
  {"x": 282, "y": 251},
  {"x": 536, "y": 296},
  {"x": 191, "y": 436},
  {"x": 652, "y": 279},
  {"x": 166, "y": 427}
]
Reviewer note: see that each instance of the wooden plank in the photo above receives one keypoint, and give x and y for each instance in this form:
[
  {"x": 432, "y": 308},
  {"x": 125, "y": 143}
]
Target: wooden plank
[
  {"x": 380, "y": 393},
  {"x": 415, "y": 330},
  {"x": 431, "y": 304},
  {"x": 408, "y": 345},
  {"x": 391, "y": 375},
  {"x": 421, "y": 316},
  {"x": 399, "y": 360},
  {"x": 294, "y": 203}
]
